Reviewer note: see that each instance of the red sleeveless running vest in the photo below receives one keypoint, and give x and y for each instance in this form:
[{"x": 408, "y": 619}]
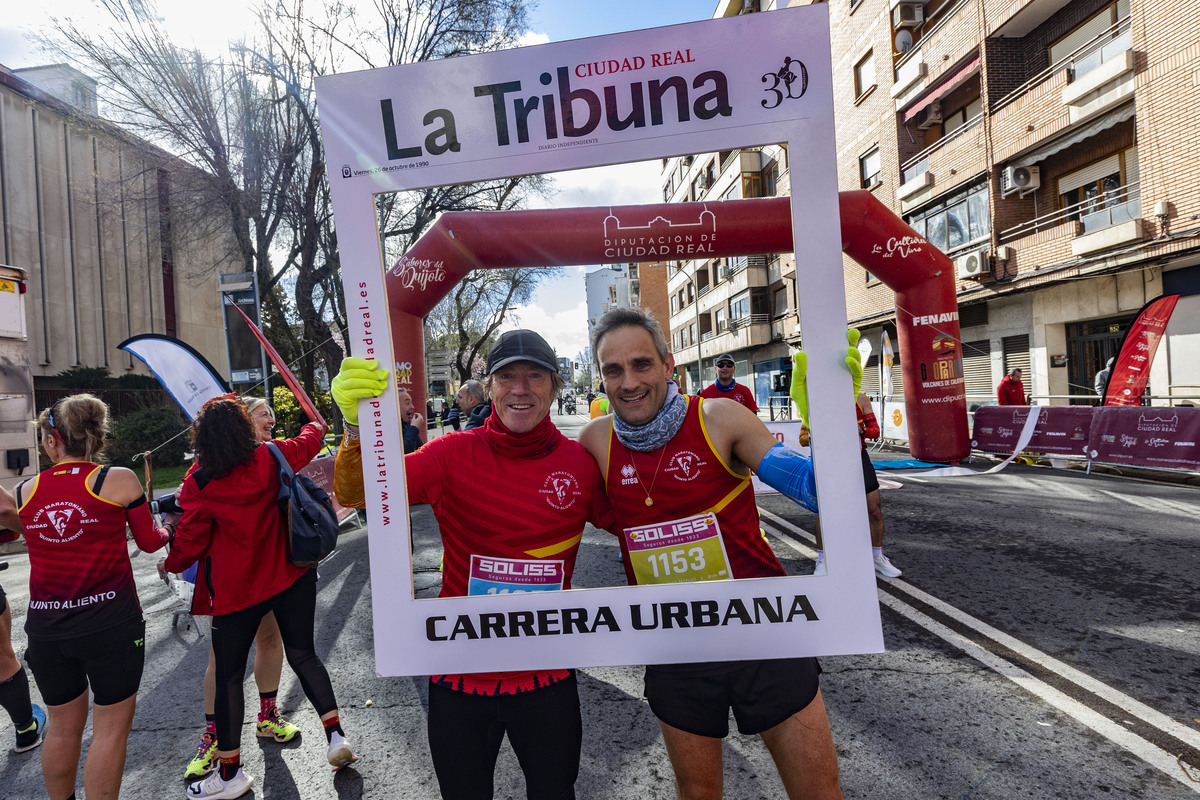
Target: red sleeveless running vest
[
  {"x": 686, "y": 477},
  {"x": 80, "y": 579}
]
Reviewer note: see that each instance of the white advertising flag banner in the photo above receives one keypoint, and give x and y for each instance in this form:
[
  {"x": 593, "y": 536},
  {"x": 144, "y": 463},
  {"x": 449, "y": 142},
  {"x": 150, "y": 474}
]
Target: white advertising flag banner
[{"x": 704, "y": 87}]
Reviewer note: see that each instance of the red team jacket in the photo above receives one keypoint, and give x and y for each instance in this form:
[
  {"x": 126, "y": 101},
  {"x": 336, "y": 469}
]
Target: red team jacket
[
  {"x": 495, "y": 496},
  {"x": 232, "y": 525}
]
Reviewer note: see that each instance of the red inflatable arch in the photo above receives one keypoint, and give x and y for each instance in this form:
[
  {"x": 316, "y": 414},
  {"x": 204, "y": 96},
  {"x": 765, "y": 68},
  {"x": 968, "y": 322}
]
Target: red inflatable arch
[{"x": 921, "y": 276}]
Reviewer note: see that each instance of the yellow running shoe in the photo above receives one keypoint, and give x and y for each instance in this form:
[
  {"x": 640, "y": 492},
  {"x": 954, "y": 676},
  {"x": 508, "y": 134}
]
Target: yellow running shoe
[
  {"x": 206, "y": 757},
  {"x": 272, "y": 725}
]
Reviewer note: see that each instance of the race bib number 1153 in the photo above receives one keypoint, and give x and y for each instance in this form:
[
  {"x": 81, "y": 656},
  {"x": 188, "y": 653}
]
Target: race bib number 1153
[{"x": 679, "y": 551}]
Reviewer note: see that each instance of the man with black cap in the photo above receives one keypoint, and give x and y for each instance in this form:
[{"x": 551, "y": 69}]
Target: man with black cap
[
  {"x": 727, "y": 386},
  {"x": 515, "y": 490}
]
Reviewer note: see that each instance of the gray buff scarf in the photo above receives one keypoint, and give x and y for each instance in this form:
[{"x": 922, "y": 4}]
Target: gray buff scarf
[{"x": 658, "y": 431}]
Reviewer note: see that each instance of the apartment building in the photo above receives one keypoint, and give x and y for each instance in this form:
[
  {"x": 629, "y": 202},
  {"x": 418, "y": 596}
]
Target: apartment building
[{"x": 1047, "y": 147}]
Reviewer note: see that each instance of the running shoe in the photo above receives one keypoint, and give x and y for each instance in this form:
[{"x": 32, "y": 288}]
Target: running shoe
[
  {"x": 31, "y": 737},
  {"x": 819, "y": 566},
  {"x": 214, "y": 788},
  {"x": 206, "y": 757},
  {"x": 886, "y": 568},
  {"x": 276, "y": 727},
  {"x": 340, "y": 755}
]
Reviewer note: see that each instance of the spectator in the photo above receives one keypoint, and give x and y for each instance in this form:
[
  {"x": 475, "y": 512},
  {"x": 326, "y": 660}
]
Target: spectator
[
  {"x": 1011, "y": 392},
  {"x": 598, "y": 407},
  {"x": 84, "y": 622},
  {"x": 727, "y": 386},
  {"x": 231, "y": 520},
  {"x": 410, "y": 421},
  {"x": 1102, "y": 378},
  {"x": 471, "y": 402}
]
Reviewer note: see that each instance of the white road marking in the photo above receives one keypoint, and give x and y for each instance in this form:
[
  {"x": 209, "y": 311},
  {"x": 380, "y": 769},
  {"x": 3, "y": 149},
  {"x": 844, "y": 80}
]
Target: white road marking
[
  {"x": 1147, "y": 751},
  {"x": 1157, "y": 505}
]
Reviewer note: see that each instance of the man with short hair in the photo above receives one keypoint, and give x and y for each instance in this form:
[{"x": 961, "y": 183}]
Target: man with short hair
[
  {"x": 514, "y": 490},
  {"x": 410, "y": 421},
  {"x": 470, "y": 404},
  {"x": 727, "y": 386},
  {"x": 1011, "y": 392},
  {"x": 668, "y": 457}
]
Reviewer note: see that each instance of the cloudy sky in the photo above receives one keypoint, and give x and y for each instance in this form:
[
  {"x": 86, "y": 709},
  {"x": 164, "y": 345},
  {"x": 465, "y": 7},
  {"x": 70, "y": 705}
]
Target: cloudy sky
[{"x": 558, "y": 309}]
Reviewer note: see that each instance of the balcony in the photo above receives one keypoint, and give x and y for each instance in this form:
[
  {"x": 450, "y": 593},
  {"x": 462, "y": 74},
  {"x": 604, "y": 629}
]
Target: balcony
[
  {"x": 947, "y": 162},
  {"x": 1096, "y": 77}
]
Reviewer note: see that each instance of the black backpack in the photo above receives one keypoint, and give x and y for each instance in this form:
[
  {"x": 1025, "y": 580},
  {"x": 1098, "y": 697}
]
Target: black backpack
[{"x": 312, "y": 524}]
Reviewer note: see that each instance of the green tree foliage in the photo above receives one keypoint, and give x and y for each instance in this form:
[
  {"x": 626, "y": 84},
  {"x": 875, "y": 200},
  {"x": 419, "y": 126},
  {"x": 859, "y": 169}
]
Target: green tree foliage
[
  {"x": 288, "y": 416},
  {"x": 160, "y": 429},
  {"x": 93, "y": 380}
]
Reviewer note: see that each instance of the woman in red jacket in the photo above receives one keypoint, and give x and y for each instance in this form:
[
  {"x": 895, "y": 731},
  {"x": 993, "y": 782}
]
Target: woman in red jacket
[
  {"x": 232, "y": 523},
  {"x": 84, "y": 621}
]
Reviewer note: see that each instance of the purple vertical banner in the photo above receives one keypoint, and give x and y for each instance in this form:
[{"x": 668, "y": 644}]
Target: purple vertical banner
[
  {"x": 1147, "y": 436},
  {"x": 1061, "y": 430}
]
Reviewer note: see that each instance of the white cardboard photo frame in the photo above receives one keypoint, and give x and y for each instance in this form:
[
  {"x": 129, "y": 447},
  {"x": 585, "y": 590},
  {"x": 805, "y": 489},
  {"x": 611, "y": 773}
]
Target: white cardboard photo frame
[{"x": 750, "y": 80}]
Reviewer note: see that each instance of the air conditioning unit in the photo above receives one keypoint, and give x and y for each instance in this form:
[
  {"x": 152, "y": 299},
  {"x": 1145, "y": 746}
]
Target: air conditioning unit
[
  {"x": 974, "y": 264},
  {"x": 931, "y": 116},
  {"x": 908, "y": 15},
  {"x": 1021, "y": 179}
]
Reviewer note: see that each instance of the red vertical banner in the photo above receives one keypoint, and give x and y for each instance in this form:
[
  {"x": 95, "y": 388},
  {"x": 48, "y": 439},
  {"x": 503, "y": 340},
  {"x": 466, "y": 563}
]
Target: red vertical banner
[
  {"x": 302, "y": 398},
  {"x": 1131, "y": 372}
]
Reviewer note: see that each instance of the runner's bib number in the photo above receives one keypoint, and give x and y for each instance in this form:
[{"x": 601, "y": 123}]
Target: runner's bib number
[
  {"x": 492, "y": 575},
  {"x": 679, "y": 551}
]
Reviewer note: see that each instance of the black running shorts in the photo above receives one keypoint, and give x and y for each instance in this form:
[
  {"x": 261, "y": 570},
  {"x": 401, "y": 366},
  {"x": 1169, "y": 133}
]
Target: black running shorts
[
  {"x": 872, "y": 482},
  {"x": 3, "y": 600},
  {"x": 110, "y": 661},
  {"x": 762, "y": 694}
]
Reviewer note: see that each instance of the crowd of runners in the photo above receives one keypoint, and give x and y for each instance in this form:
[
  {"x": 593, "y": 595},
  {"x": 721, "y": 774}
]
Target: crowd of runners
[{"x": 87, "y": 636}]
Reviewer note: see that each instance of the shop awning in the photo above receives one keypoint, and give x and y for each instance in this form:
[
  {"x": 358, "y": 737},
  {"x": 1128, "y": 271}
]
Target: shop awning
[
  {"x": 1075, "y": 136},
  {"x": 944, "y": 87}
]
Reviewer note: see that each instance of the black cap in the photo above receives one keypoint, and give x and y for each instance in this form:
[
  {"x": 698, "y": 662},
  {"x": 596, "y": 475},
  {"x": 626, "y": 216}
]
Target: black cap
[
  {"x": 725, "y": 357},
  {"x": 521, "y": 345}
]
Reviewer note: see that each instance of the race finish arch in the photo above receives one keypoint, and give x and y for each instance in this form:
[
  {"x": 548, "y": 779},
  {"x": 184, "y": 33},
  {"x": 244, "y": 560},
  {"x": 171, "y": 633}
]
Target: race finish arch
[
  {"x": 703, "y": 87},
  {"x": 920, "y": 274}
]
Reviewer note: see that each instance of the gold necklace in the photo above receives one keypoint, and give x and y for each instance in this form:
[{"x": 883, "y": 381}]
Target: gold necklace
[{"x": 632, "y": 463}]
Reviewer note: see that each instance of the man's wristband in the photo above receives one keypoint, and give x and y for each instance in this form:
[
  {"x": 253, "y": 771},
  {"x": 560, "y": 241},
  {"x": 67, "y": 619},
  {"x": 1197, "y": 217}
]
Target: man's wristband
[{"x": 351, "y": 432}]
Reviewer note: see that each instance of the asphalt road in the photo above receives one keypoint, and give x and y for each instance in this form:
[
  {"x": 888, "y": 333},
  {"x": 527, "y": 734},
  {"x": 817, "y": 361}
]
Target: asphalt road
[{"x": 1044, "y": 641}]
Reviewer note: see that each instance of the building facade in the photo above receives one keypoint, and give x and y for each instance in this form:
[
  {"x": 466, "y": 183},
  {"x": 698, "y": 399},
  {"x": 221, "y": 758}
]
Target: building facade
[
  {"x": 1048, "y": 148},
  {"x": 87, "y": 213}
]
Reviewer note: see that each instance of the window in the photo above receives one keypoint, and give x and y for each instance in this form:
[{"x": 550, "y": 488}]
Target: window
[
  {"x": 869, "y": 168},
  {"x": 1087, "y": 41},
  {"x": 959, "y": 219},
  {"x": 692, "y": 333},
  {"x": 739, "y": 306},
  {"x": 732, "y": 192},
  {"x": 864, "y": 74},
  {"x": 956, "y": 119},
  {"x": 721, "y": 323},
  {"x": 770, "y": 179},
  {"x": 752, "y": 184},
  {"x": 780, "y": 301},
  {"x": 1097, "y": 195}
]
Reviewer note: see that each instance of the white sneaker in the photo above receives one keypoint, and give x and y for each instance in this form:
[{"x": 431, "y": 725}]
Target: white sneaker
[
  {"x": 214, "y": 788},
  {"x": 339, "y": 754},
  {"x": 819, "y": 566},
  {"x": 886, "y": 568}
]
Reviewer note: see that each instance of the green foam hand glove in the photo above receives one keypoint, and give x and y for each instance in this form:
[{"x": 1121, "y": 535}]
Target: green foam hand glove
[
  {"x": 799, "y": 390},
  {"x": 358, "y": 378},
  {"x": 854, "y": 360}
]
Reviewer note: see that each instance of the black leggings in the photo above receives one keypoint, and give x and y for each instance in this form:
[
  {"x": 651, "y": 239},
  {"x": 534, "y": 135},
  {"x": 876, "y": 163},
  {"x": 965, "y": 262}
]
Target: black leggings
[
  {"x": 232, "y": 634},
  {"x": 544, "y": 727}
]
